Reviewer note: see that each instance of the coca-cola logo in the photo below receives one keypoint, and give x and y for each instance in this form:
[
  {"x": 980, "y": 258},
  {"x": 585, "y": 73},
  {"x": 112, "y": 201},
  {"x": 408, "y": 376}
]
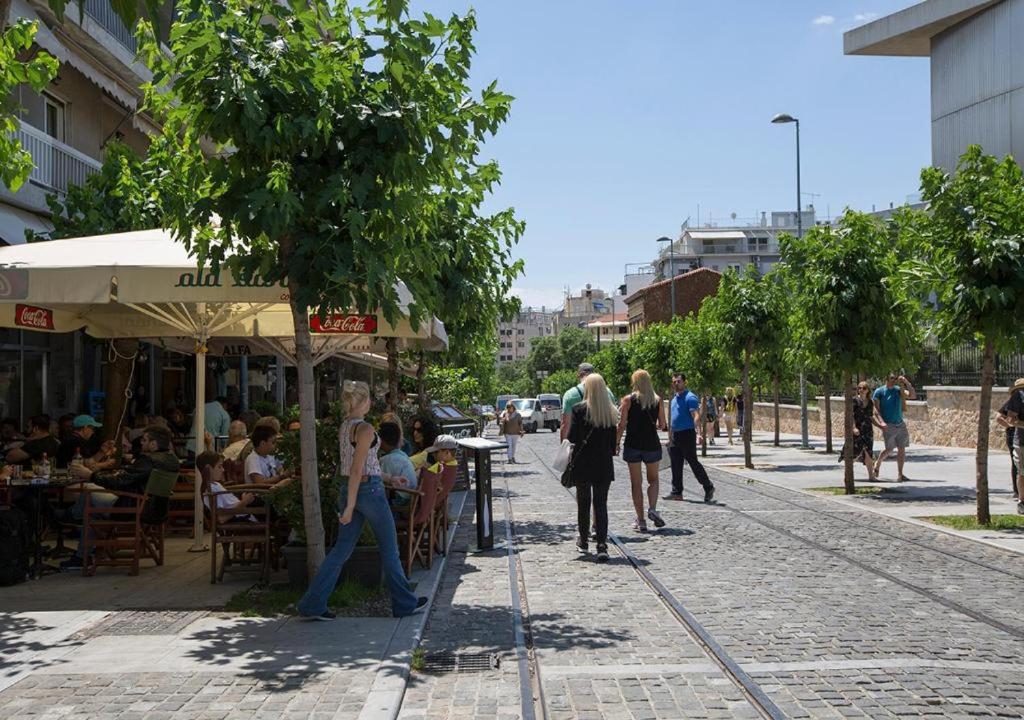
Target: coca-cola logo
[
  {"x": 14, "y": 284},
  {"x": 344, "y": 324},
  {"x": 33, "y": 317}
]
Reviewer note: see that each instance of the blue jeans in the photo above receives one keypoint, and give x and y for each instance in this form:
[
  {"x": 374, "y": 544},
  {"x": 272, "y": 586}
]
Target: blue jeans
[{"x": 371, "y": 506}]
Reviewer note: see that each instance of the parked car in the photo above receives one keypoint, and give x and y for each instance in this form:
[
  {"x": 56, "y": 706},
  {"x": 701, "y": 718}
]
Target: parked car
[{"x": 552, "y": 406}]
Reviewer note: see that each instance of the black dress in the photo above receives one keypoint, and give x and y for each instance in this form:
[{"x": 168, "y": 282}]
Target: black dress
[
  {"x": 593, "y": 449},
  {"x": 865, "y": 440}
]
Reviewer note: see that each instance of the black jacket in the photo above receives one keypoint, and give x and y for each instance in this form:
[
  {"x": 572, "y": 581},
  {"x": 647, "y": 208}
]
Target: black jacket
[{"x": 133, "y": 478}]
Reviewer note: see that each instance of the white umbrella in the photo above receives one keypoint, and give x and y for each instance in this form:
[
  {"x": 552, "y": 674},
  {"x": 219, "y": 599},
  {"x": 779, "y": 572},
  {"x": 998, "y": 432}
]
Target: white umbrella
[{"x": 145, "y": 284}]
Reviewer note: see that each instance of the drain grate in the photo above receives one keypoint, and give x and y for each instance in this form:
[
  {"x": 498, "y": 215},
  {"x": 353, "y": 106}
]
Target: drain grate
[
  {"x": 142, "y": 622},
  {"x": 441, "y": 663}
]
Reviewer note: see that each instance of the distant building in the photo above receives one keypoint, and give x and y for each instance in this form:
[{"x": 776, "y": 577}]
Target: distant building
[
  {"x": 637, "y": 277},
  {"x": 590, "y": 304},
  {"x": 653, "y": 304},
  {"x": 732, "y": 246},
  {"x": 515, "y": 337},
  {"x": 610, "y": 328},
  {"x": 977, "y": 79}
]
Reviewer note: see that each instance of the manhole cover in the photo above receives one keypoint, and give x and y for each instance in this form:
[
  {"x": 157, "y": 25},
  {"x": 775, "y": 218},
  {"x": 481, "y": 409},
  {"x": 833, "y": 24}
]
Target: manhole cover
[
  {"x": 445, "y": 662},
  {"x": 142, "y": 622}
]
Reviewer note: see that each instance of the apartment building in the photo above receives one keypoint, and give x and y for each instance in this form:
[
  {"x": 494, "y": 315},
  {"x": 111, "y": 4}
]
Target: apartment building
[{"x": 515, "y": 337}]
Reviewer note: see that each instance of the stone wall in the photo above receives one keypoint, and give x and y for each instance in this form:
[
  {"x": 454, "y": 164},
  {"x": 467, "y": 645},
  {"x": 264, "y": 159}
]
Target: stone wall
[{"x": 949, "y": 417}]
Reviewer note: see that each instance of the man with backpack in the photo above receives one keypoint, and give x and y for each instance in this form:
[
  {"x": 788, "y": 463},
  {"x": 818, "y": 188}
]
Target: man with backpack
[{"x": 574, "y": 396}]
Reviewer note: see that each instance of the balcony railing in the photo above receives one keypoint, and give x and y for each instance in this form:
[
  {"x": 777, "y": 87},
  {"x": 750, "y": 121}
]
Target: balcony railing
[
  {"x": 734, "y": 248},
  {"x": 103, "y": 13},
  {"x": 56, "y": 165}
]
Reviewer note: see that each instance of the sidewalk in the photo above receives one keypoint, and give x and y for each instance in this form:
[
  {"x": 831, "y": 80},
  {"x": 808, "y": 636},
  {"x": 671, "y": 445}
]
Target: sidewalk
[{"x": 942, "y": 480}]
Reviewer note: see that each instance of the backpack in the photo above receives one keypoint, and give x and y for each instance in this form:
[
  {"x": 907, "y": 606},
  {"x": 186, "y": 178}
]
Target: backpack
[{"x": 13, "y": 546}]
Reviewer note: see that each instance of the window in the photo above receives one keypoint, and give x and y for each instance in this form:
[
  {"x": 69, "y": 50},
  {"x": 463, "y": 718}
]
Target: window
[
  {"x": 521, "y": 332},
  {"x": 55, "y": 111},
  {"x": 520, "y": 344}
]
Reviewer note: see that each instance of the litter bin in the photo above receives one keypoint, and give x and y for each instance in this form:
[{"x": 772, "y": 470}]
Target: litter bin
[{"x": 480, "y": 450}]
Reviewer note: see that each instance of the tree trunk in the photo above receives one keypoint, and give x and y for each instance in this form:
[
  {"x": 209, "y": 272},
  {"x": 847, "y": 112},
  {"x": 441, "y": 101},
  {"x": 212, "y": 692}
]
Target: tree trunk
[
  {"x": 119, "y": 371},
  {"x": 848, "y": 394},
  {"x": 775, "y": 399},
  {"x": 313, "y": 519},
  {"x": 748, "y": 405},
  {"x": 827, "y": 390},
  {"x": 984, "y": 410},
  {"x": 392, "y": 346},
  {"x": 703, "y": 430},
  {"x": 421, "y": 382}
]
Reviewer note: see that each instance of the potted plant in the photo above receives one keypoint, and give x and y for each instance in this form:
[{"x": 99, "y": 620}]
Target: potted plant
[{"x": 365, "y": 565}]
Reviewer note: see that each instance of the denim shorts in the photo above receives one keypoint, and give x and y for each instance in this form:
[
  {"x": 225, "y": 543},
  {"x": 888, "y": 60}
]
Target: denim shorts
[{"x": 632, "y": 455}]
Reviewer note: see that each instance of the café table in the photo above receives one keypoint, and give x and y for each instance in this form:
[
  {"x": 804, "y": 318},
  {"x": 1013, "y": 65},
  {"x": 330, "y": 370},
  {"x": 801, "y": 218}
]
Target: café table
[{"x": 35, "y": 486}]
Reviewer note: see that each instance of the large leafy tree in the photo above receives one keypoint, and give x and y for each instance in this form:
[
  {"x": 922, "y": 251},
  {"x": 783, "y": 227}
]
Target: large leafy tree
[
  {"x": 656, "y": 350},
  {"x": 740, "y": 309},
  {"x": 615, "y": 364},
  {"x": 703, "y": 358},
  {"x": 336, "y": 128},
  {"x": 974, "y": 245},
  {"x": 545, "y": 357},
  {"x": 575, "y": 345},
  {"x": 772, "y": 357},
  {"x": 851, "y": 306}
]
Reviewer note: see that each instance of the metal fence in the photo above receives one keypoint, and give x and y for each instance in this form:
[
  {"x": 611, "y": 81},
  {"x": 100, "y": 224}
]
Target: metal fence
[
  {"x": 103, "y": 13},
  {"x": 962, "y": 366}
]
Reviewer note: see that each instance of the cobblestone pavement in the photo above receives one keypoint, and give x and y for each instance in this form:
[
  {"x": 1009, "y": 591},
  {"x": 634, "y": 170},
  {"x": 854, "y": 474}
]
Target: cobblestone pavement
[{"x": 831, "y": 611}]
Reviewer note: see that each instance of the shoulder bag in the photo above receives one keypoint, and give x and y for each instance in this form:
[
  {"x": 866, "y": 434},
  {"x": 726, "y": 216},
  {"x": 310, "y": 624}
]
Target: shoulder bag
[{"x": 567, "y": 474}]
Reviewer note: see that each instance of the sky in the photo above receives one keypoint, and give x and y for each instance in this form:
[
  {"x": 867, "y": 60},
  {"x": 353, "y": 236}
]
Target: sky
[{"x": 632, "y": 114}]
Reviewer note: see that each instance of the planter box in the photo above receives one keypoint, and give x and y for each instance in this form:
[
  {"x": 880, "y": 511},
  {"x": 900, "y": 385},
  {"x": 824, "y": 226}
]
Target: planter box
[{"x": 363, "y": 566}]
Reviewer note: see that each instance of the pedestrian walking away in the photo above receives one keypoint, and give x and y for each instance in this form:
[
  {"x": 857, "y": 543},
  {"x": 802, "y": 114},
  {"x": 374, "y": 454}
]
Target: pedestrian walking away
[
  {"x": 591, "y": 469},
  {"x": 890, "y": 401},
  {"x": 362, "y": 499},
  {"x": 574, "y": 395},
  {"x": 685, "y": 418},
  {"x": 710, "y": 413},
  {"x": 1003, "y": 419},
  {"x": 641, "y": 416},
  {"x": 864, "y": 421},
  {"x": 510, "y": 424},
  {"x": 1014, "y": 410},
  {"x": 730, "y": 407}
]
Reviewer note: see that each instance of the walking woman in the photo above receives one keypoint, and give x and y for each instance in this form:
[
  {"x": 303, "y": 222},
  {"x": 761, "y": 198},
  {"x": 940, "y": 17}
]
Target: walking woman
[
  {"x": 641, "y": 416},
  {"x": 592, "y": 434},
  {"x": 863, "y": 432},
  {"x": 362, "y": 499},
  {"x": 729, "y": 408},
  {"x": 710, "y": 418},
  {"x": 510, "y": 424}
]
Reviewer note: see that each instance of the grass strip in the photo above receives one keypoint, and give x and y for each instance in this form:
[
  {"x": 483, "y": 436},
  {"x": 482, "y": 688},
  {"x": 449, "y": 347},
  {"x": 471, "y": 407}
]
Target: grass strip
[
  {"x": 274, "y": 600},
  {"x": 970, "y": 522}
]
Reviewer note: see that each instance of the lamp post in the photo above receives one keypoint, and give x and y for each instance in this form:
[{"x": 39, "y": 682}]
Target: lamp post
[
  {"x": 781, "y": 119},
  {"x": 672, "y": 270}
]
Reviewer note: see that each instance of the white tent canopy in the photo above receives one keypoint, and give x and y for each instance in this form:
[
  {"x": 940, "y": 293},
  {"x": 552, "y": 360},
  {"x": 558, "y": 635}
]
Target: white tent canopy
[{"x": 146, "y": 285}]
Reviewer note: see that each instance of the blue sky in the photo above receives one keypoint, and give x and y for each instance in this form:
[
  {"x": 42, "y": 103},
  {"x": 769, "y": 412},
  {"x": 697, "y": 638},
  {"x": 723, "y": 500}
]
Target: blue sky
[{"x": 631, "y": 113}]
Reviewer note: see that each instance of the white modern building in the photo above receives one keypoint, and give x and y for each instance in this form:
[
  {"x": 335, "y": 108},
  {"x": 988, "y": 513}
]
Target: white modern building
[{"x": 977, "y": 70}]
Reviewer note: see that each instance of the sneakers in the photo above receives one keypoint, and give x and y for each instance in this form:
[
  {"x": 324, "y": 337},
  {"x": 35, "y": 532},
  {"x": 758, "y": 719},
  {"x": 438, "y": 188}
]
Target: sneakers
[
  {"x": 602, "y": 553},
  {"x": 655, "y": 517},
  {"x": 1020, "y": 508},
  {"x": 709, "y": 495},
  {"x": 673, "y": 496},
  {"x": 323, "y": 617},
  {"x": 72, "y": 564},
  {"x": 582, "y": 547},
  {"x": 421, "y": 603},
  {"x": 639, "y": 525}
]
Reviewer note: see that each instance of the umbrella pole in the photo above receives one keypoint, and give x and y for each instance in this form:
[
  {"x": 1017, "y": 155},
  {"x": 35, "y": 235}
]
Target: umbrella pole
[{"x": 199, "y": 422}]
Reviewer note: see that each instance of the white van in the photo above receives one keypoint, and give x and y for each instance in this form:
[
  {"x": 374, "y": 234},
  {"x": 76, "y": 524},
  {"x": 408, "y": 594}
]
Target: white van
[{"x": 551, "y": 404}]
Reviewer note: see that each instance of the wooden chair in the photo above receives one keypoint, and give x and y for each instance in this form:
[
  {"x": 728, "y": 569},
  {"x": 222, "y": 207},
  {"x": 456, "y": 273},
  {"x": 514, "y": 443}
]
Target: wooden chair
[
  {"x": 234, "y": 472},
  {"x": 449, "y": 474},
  {"x": 246, "y": 540},
  {"x": 181, "y": 511},
  {"x": 133, "y": 529},
  {"x": 417, "y": 527}
]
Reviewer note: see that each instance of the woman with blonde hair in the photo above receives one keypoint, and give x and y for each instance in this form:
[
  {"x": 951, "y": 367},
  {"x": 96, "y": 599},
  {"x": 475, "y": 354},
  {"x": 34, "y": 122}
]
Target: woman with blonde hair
[
  {"x": 592, "y": 434},
  {"x": 641, "y": 416},
  {"x": 729, "y": 408},
  {"x": 363, "y": 499}
]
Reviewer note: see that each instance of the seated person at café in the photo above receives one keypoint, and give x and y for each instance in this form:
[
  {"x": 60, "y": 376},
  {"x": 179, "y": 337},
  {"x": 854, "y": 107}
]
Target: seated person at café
[
  {"x": 238, "y": 438},
  {"x": 84, "y": 441},
  {"x": 156, "y": 455},
  {"x": 267, "y": 421},
  {"x": 395, "y": 465},
  {"x": 10, "y": 438},
  {"x": 38, "y": 443},
  {"x": 424, "y": 433},
  {"x": 230, "y": 507},
  {"x": 261, "y": 467},
  {"x": 442, "y": 453}
]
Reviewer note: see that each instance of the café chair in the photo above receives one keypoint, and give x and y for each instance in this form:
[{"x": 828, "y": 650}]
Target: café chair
[
  {"x": 245, "y": 540},
  {"x": 131, "y": 530},
  {"x": 415, "y": 521},
  {"x": 449, "y": 474}
]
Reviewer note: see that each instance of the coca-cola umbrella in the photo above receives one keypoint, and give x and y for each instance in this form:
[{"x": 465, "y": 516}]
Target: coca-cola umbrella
[{"x": 145, "y": 285}]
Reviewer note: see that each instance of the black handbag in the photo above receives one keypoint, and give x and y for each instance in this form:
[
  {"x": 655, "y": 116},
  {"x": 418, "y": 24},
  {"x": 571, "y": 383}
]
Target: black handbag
[{"x": 567, "y": 474}]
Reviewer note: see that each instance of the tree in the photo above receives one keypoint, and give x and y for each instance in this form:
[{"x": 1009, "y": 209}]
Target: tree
[
  {"x": 558, "y": 382},
  {"x": 703, "y": 358},
  {"x": 513, "y": 379},
  {"x": 973, "y": 239},
  {"x": 575, "y": 345},
  {"x": 772, "y": 356},
  {"x": 615, "y": 364},
  {"x": 656, "y": 350},
  {"x": 545, "y": 357},
  {"x": 452, "y": 385},
  {"x": 335, "y": 126},
  {"x": 741, "y": 308},
  {"x": 851, "y": 306}
]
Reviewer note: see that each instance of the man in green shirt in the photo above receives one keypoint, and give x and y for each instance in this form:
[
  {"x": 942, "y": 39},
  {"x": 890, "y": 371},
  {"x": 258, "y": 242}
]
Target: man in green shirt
[{"x": 574, "y": 395}]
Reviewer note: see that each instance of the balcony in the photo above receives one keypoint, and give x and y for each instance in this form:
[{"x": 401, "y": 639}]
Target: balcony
[
  {"x": 731, "y": 248},
  {"x": 103, "y": 14},
  {"x": 56, "y": 165}
]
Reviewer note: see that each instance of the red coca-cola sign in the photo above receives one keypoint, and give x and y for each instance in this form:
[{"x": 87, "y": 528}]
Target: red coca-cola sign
[
  {"x": 344, "y": 324},
  {"x": 33, "y": 317}
]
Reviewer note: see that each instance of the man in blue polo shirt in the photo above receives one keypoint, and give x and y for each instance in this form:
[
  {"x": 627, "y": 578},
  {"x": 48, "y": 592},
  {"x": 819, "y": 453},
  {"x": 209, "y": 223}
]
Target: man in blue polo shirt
[
  {"x": 890, "y": 400},
  {"x": 685, "y": 407}
]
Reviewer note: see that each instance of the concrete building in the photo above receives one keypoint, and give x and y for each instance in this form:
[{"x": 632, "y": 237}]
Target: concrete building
[
  {"x": 611, "y": 327},
  {"x": 514, "y": 338},
  {"x": 735, "y": 245},
  {"x": 590, "y": 304},
  {"x": 977, "y": 70},
  {"x": 637, "y": 277},
  {"x": 653, "y": 304}
]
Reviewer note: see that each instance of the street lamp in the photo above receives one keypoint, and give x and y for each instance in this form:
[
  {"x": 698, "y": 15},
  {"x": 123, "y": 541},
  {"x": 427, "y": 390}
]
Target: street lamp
[
  {"x": 672, "y": 270},
  {"x": 782, "y": 119}
]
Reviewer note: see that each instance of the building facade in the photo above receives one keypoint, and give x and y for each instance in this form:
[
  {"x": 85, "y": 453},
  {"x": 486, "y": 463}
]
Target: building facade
[
  {"x": 610, "y": 328},
  {"x": 580, "y": 309},
  {"x": 977, "y": 70},
  {"x": 515, "y": 337},
  {"x": 733, "y": 246},
  {"x": 653, "y": 304}
]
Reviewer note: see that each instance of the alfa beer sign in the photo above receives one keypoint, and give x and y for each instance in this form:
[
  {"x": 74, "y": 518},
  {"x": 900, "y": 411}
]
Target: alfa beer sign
[{"x": 344, "y": 324}]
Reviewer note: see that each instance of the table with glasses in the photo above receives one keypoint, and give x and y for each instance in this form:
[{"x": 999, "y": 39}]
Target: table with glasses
[{"x": 35, "y": 486}]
